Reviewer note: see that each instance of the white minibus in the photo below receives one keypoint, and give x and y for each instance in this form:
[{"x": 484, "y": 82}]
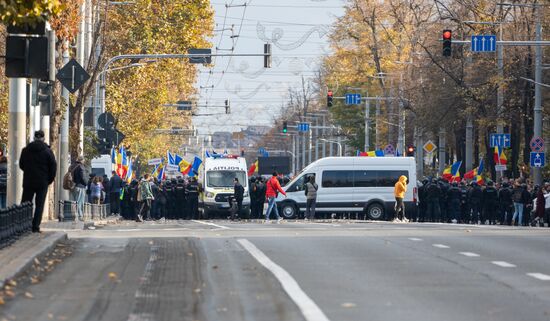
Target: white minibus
[{"x": 361, "y": 185}]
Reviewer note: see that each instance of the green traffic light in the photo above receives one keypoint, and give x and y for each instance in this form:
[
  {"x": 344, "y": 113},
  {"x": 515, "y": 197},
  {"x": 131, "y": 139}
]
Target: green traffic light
[{"x": 284, "y": 130}]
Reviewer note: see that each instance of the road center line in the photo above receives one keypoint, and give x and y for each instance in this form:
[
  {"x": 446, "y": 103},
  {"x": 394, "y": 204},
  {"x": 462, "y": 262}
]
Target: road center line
[
  {"x": 503, "y": 264},
  {"x": 309, "y": 309},
  {"x": 211, "y": 224},
  {"x": 415, "y": 239},
  {"x": 441, "y": 246},
  {"x": 469, "y": 254},
  {"x": 540, "y": 276}
]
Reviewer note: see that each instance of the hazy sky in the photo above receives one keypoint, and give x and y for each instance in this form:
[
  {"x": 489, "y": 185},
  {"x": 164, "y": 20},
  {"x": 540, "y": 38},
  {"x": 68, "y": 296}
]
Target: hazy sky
[{"x": 298, "y": 31}]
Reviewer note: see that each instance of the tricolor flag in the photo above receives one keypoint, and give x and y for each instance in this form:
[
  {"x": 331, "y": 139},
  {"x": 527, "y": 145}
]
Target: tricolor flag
[
  {"x": 452, "y": 172},
  {"x": 499, "y": 157},
  {"x": 195, "y": 167},
  {"x": 129, "y": 173},
  {"x": 253, "y": 168},
  {"x": 475, "y": 172}
]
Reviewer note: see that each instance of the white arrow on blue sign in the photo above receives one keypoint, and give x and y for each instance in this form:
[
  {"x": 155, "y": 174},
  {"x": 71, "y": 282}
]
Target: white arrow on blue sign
[
  {"x": 353, "y": 99},
  {"x": 303, "y": 127},
  {"x": 484, "y": 43},
  {"x": 500, "y": 140},
  {"x": 537, "y": 160}
]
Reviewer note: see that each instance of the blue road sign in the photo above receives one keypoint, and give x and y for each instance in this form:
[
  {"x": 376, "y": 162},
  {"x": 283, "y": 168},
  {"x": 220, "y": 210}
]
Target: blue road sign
[
  {"x": 303, "y": 127},
  {"x": 261, "y": 150},
  {"x": 500, "y": 140},
  {"x": 537, "y": 160},
  {"x": 484, "y": 43},
  {"x": 353, "y": 99}
]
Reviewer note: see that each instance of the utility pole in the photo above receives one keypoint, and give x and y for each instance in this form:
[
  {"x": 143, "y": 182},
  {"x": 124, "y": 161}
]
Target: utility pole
[
  {"x": 294, "y": 154},
  {"x": 63, "y": 154},
  {"x": 442, "y": 155},
  {"x": 367, "y": 124},
  {"x": 316, "y": 138},
  {"x": 323, "y": 134},
  {"x": 500, "y": 91},
  {"x": 303, "y": 150},
  {"x": 419, "y": 154},
  {"x": 17, "y": 121},
  {"x": 537, "y": 115},
  {"x": 469, "y": 142},
  {"x": 377, "y": 129},
  {"x": 310, "y": 143},
  {"x": 45, "y": 126}
]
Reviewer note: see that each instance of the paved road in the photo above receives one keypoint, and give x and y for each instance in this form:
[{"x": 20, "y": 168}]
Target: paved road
[{"x": 218, "y": 270}]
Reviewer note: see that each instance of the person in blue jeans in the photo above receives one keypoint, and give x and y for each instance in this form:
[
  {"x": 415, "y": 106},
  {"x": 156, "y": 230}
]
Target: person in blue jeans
[
  {"x": 521, "y": 197},
  {"x": 272, "y": 188}
]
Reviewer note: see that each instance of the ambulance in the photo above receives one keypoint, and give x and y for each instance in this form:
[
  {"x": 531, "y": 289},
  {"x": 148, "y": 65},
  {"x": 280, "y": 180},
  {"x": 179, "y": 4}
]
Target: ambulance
[{"x": 217, "y": 181}]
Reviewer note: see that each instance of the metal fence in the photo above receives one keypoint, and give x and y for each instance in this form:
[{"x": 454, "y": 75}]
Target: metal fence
[
  {"x": 92, "y": 212},
  {"x": 15, "y": 221}
]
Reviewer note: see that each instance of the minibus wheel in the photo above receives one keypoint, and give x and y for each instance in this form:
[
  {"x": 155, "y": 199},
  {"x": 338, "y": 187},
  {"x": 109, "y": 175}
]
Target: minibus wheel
[
  {"x": 289, "y": 210},
  {"x": 375, "y": 211}
]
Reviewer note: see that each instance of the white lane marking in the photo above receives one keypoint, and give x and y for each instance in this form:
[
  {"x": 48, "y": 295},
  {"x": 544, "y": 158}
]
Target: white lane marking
[
  {"x": 470, "y": 254},
  {"x": 416, "y": 239},
  {"x": 146, "y": 229},
  {"x": 540, "y": 276},
  {"x": 211, "y": 224},
  {"x": 309, "y": 309},
  {"x": 503, "y": 264},
  {"x": 441, "y": 246}
]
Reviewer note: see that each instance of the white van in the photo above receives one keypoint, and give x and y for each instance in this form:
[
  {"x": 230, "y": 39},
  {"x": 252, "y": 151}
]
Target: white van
[
  {"x": 363, "y": 185},
  {"x": 217, "y": 181},
  {"x": 102, "y": 165}
]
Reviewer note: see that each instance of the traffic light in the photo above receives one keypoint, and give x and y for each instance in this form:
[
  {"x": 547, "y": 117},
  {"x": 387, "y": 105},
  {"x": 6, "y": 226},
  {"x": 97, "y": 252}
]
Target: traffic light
[
  {"x": 410, "y": 150},
  {"x": 227, "y": 107},
  {"x": 242, "y": 152},
  {"x": 267, "y": 55},
  {"x": 447, "y": 40},
  {"x": 285, "y": 127},
  {"x": 329, "y": 98}
]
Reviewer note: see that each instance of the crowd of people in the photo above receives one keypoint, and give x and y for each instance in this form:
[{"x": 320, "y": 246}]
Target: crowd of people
[
  {"x": 143, "y": 199},
  {"x": 512, "y": 202}
]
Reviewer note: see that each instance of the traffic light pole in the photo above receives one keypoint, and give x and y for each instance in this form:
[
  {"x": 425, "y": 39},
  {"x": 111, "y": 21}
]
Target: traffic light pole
[
  {"x": 367, "y": 125},
  {"x": 63, "y": 155}
]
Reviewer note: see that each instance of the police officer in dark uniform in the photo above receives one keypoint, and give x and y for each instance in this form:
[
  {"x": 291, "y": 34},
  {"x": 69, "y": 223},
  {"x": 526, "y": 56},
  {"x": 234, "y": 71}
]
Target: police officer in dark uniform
[
  {"x": 453, "y": 202},
  {"x": 433, "y": 194},
  {"x": 475, "y": 198},
  {"x": 464, "y": 206},
  {"x": 193, "y": 191},
  {"x": 506, "y": 203},
  {"x": 170, "y": 199},
  {"x": 253, "y": 183},
  {"x": 490, "y": 203},
  {"x": 181, "y": 201},
  {"x": 261, "y": 196},
  {"x": 423, "y": 205},
  {"x": 444, "y": 186}
]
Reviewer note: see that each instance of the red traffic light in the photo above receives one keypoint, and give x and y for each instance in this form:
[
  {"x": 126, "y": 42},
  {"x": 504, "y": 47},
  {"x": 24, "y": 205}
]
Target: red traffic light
[
  {"x": 447, "y": 34},
  {"x": 329, "y": 93}
]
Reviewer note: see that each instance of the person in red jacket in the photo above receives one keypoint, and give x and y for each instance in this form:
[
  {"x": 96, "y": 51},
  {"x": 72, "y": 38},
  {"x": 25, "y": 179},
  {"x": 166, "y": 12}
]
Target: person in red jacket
[{"x": 272, "y": 189}]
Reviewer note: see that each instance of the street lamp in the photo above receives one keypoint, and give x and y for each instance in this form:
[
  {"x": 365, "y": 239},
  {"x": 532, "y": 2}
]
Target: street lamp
[{"x": 334, "y": 142}]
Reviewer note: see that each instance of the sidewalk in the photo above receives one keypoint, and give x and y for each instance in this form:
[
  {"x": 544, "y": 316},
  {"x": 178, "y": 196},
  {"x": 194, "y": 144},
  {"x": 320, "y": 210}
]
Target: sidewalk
[
  {"x": 20, "y": 256},
  {"x": 78, "y": 225}
]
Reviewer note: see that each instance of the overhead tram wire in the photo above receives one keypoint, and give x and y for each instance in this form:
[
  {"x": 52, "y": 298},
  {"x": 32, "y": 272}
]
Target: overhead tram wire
[
  {"x": 232, "y": 47},
  {"x": 221, "y": 37},
  {"x": 291, "y": 6}
]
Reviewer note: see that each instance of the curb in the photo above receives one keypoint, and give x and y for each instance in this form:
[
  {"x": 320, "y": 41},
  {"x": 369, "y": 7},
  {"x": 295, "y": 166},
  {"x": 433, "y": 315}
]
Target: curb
[{"x": 23, "y": 263}]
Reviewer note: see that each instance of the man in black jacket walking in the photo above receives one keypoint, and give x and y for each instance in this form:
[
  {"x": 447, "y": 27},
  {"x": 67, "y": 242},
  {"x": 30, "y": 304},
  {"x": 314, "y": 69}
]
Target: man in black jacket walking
[
  {"x": 116, "y": 187},
  {"x": 39, "y": 167}
]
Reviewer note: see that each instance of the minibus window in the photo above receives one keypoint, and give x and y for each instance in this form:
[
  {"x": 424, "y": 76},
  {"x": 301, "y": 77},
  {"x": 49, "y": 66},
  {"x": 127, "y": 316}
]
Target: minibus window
[{"x": 337, "y": 179}]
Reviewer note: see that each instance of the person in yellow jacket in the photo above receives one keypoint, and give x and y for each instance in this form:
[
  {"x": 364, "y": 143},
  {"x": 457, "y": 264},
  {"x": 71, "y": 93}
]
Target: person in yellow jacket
[{"x": 399, "y": 193}]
